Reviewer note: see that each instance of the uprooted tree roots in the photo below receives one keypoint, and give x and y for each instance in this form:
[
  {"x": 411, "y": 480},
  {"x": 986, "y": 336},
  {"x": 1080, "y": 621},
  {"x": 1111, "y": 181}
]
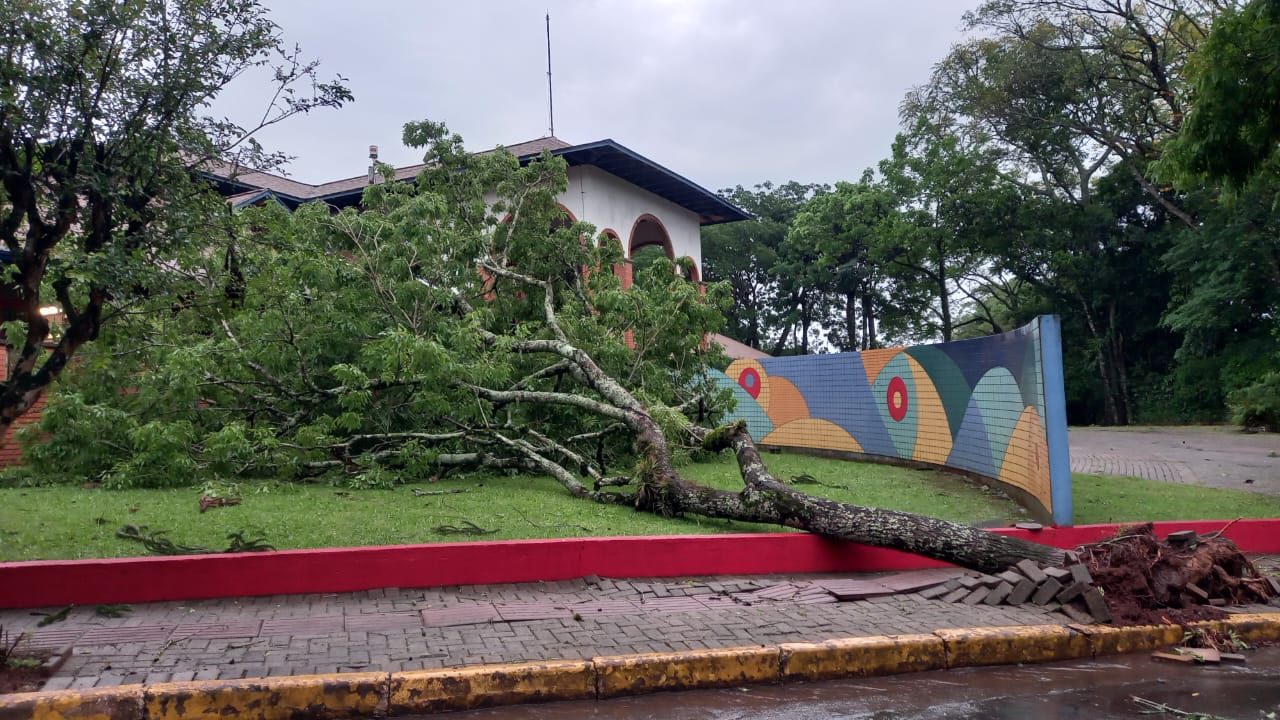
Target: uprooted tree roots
[{"x": 1146, "y": 579}]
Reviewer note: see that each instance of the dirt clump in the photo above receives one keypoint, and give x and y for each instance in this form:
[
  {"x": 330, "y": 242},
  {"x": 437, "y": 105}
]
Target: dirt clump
[{"x": 1149, "y": 581}]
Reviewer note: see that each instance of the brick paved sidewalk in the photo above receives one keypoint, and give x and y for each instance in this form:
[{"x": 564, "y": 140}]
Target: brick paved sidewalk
[{"x": 400, "y": 629}]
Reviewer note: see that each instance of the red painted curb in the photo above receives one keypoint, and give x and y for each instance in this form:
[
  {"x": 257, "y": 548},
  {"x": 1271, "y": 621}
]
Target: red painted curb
[{"x": 148, "y": 579}]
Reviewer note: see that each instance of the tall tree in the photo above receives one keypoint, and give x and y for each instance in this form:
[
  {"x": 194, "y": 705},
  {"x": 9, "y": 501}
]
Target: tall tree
[
  {"x": 950, "y": 199},
  {"x": 746, "y": 255},
  {"x": 1233, "y": 128},
  {"x": 1228, "y": 154},
  {"x": 100, "y": 140},
  {"x": 842, "y": 228},
  {"x": 1116, "y": 79}
]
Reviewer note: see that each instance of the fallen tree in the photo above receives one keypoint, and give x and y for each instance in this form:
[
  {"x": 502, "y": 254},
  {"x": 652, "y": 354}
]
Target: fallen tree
[{"x": 434, "y": 333}]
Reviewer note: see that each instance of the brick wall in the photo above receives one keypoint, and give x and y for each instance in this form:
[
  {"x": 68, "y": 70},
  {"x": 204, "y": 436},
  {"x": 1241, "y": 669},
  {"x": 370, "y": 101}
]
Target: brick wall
[{"x": 10, "y": 451}]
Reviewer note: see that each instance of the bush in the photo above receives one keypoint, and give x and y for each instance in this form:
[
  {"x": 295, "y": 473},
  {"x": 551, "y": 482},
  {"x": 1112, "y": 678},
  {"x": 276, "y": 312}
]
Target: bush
[{"x": 1258, "y": 405}]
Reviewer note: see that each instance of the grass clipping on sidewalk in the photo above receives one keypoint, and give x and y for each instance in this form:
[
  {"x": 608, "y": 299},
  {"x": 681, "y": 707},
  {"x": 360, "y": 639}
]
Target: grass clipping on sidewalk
[{"x": 70, "y": 522}]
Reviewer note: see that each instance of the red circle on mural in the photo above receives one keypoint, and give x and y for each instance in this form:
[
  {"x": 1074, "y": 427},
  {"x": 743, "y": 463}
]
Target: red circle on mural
[
  {"x": 749, "y": 379},
  {"x": 897, "y": 399}
]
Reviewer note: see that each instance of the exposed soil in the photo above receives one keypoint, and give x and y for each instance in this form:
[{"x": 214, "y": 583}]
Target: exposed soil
[
  {"x": 1147, "y": 581},
  {"x": 24, "y": 676}
]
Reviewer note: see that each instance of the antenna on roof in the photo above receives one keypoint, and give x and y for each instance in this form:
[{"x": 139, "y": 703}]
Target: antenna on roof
[{"x": 551, "y": 102}]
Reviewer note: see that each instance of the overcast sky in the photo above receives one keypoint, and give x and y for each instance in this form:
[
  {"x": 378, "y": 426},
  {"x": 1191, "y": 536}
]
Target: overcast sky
[{"x": 724, "y": 92}]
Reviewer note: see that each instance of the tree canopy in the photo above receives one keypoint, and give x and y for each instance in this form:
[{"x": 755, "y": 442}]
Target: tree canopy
[{"x": 101, "y": 143}]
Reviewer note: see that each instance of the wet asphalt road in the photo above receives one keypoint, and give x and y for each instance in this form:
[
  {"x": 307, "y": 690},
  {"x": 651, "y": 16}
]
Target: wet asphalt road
[{"x": 1077, "y": 690}]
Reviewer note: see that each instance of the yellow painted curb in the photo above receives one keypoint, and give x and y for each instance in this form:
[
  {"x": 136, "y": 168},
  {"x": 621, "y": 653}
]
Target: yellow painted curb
[
  {"x": 862, "y": 657},
  {"x": 1012, "y": 645},
  {"x": 104, "y": 704},
  {"x": 727, "y": 667},
  {"x": 466, "y": 688},
  {"x": 303, "y": 696},
  {"x": 1251, "y": 628},
  {"x": 1107, "y": 640}
]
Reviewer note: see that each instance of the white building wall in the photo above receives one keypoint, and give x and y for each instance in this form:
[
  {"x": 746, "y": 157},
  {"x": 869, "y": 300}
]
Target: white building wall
[{"x": 609, "y": 202}]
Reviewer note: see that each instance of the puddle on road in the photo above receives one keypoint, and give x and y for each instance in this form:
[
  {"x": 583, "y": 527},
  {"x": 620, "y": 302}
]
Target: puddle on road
[{"x": 1087, "y": 690}]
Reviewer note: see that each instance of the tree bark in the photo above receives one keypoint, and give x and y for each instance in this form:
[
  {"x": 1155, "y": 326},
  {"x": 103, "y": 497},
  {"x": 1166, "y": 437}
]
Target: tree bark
[
  {"x": 767, "y": 500},
  {"x": 851, "y": 319}
]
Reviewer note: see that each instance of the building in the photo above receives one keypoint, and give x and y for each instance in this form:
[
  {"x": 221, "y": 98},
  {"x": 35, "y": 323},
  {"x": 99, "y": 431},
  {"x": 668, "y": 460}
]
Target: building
[{"x": 628, "y": 198}]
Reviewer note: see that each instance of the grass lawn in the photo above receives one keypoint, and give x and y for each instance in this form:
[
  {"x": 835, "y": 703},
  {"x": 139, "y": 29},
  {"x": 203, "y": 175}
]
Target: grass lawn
[
  {"x": 1106, "y": 499},
  {"x": 70, "y": 522}
]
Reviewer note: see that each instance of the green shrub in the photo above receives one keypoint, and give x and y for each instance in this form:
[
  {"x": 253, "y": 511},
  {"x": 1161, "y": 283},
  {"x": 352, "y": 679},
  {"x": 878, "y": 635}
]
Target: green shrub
[{"x": 1258, "y": 405}]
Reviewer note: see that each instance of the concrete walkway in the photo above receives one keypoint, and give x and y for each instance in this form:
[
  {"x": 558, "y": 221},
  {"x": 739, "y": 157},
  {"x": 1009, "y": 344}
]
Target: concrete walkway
[
  {"x": 398, "y": 629},
  {"x": 1218, "y": 457}
]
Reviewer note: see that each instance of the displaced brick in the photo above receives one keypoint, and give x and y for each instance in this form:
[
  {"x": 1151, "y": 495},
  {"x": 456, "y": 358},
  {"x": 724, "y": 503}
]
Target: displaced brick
[
  {"x": 1097, "y": 605},
  {"x": 976, "y": 596},
  {"x": 1031, "y": 526},
  {"x": 1232, "y": 657},
  {"x": 936, "y": 591},
  {"x": 1031, "y": 570},
  {"x": 1021, "y": 592},
  {"x": 1172, "y": 657},
  {"x": 1080, "y": 573},
  {"x": 1275, "y": 584},
  {"x": 969, "y": 582},
  {"x": 1077, "y": 613},
  {"x": 989, "y": 581},
  {"x": 1048, "y": 589},
  {"x": 1217, "y": 602},
  {"x": 998, "y": 594},
  {"x": 1057, "y": 573},
  {"x": 955, "y": 595},
  {"x": 1206, "y": 655},
  {"x": 1013, "y": 577},
  {"x": 1071, "y": 592},
  {"x": 1181, "y": 538}
]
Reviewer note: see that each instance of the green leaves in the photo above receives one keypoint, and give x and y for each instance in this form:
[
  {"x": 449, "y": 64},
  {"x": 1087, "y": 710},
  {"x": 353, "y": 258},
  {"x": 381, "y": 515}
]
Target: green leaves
[{"x": 358, "y": 347}]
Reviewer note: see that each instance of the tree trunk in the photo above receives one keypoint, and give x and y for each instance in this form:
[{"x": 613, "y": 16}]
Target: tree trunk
[
  {"x": 767, "y": 500},
  {"x": 869, "y": 324},
  {"x": 851, "y": 319},
  {"x": 944, "y": 297}
]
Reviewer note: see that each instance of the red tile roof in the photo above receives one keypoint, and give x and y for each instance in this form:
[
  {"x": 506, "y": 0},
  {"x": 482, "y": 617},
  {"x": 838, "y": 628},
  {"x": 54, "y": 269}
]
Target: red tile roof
[
  {"x": 307, "y": 191},
  {"x": 735, "y": 349}
]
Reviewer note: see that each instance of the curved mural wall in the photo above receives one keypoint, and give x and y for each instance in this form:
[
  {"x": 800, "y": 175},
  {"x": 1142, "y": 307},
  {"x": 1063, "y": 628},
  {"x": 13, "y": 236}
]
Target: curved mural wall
[{"x": 990, "y": 406}]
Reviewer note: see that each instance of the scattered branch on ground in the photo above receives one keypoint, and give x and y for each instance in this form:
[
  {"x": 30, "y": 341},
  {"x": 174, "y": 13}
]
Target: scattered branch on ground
[
  {"x": 156, "y": 542},
  {"x": 466, "y": 528}
]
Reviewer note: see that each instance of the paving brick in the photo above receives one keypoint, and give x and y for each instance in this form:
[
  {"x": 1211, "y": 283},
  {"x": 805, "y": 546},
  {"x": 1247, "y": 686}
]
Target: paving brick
[
  {"x": 1011, "y": 576},
  {"x": 1075, "y": 612},
  {"x": 975, "y": 596},
  {"x": 1057, "y": 573},
  {"x": 1021, "y": 592},
  {"x": 1031, "y": 571},
  {"x": 998, "y": 593},
  {"x": 1071, "y": 592},
  {"x": 1097, "y": 605},
  {"x": 1046, "y": 592},
  {"x": 936, "y": 591},
  {"x": 1080, "y": 573}
]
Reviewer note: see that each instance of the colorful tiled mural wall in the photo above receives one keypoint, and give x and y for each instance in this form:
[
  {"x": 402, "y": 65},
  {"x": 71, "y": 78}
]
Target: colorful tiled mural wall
[{"x": 991, "y": 406}]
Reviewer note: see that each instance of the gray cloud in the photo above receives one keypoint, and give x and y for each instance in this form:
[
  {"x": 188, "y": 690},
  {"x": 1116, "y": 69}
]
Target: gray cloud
[{"x": 722, "y": 92}]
